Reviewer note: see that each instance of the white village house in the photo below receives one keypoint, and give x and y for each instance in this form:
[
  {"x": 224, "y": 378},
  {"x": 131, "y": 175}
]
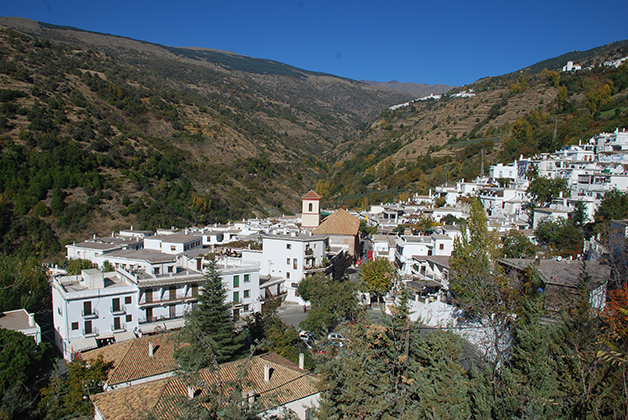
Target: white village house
[{"x": 150, "y": 289}]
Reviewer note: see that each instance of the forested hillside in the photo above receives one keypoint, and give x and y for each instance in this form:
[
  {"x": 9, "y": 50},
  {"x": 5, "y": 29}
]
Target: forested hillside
[
  {"x": 537, "y": 109},
  {"x": 101, "y": 132}
]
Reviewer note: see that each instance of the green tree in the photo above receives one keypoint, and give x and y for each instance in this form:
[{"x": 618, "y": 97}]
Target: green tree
[
  {"x": 367, "y": 230},
  {"x": 516, "y": 245},
  {"x": 529, "y": 384},
  {"x": 424, "y": 224},
  {"x": 592, "y": 387},
  {"x": 388, "y": 370},
  {"x": 268, "y": 332},
  {"x": 479, "y": 286},
  {"x": 560, "y": 236},
  {"x": 578, "y": 216},
  {"x": 614, "y": 206},
  {"x": 561, "y": 97},
  {"x": 440, "y": 202},
  {"x": 210, "y": 331},
  {"x": 69, "y": 397},
  {"x": 23, "y": 284},
  {"x": 544, "y": 190},
  {"x": 450, "y": 219},
  {"x": 377, "y": 276},
  {"x": 24, "y": 367},
  {"x": 107, "y": 267},
  {"x": 475, "y": 278},
  {"x": 331, "y": 302},
  {"x": 553, "y": 78},
  {"x": 75, "y": 266},
  {"x": 599, "y": 97}
]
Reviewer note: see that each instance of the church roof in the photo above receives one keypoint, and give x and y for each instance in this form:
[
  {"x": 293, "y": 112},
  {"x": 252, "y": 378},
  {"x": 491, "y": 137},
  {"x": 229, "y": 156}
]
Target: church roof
[
  {"x": 340, "y": 222},
  {"x": 311, "y": 195}
]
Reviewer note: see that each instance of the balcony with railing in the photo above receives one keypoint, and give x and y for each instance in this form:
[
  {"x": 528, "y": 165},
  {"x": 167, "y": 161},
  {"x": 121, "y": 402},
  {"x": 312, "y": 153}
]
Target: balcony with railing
[
  {"x": 169, "y": 301},
  {"x": 160, "y": 318},
  {"x": 118, "y": 310},
  {"x": 90, "y": 332},
  {"x": 118, "y": 328},
  {"x": 323, "y": 268},
  {"x": 93, "y": 314}
]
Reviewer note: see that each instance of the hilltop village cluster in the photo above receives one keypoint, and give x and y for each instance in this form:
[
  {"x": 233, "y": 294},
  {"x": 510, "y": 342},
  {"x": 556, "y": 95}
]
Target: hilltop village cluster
[
  {"x": 154, "y": 278},
  {"x": 157, "y": 274}
]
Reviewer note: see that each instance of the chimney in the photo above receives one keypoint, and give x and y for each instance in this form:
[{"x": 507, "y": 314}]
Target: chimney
[
  {"x": 266, "y": 372},
  {"x": 301, "y": 361},
  {"x": 190, "y": 391},
  {"x": 151, "y": 349},
  {"x": 31, "y": 320}
]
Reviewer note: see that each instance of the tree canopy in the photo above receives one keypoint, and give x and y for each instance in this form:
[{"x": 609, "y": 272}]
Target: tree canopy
[
  {"x": 516, "y": 245},
  {"x": 475, "y": 278},
  {"x": 331, "y": 302},
  {"x": 377, "y": 276},
  {"x": 389, "y": 370},
  {"x": 614, "y": 206},
  {"x": 543, "y": 190},
  {"x": 24, "y": 367},
  {"x": 69, "y": 397},
  {"x": 210, "y": 332},
  {"x": 23, "y": 284},
  {"x": 561, "y": 236}
]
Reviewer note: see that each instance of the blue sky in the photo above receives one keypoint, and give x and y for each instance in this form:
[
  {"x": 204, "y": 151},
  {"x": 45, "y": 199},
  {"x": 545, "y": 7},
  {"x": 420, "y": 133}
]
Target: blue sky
[{"x": 448, "y": 41}]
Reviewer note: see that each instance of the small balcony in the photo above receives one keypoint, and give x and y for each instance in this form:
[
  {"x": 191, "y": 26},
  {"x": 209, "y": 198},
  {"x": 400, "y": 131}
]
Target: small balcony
[
  {"x": 90, "y": 332},
  {"x": 321, "y": 268},
  {"x": 167, "y": 301},
  {"x": 89, "y": 315},
  {"x": 118, "y": 310},
  {"x": 120, "y": 328},
  {"x": 160, "y": 318}
]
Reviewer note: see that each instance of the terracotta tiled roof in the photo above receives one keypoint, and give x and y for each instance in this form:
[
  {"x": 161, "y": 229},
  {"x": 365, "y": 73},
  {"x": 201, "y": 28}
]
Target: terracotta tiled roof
[
  {"x": 131, "y": 360},
  {"x": 341, "y": 222},
  {"x": 287, "y": 383},
  {"x": 311, "y": 195}
]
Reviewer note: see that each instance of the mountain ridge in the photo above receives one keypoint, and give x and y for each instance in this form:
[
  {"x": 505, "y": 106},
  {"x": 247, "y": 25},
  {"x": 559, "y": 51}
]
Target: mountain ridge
[{"x": 99, "y": 132}]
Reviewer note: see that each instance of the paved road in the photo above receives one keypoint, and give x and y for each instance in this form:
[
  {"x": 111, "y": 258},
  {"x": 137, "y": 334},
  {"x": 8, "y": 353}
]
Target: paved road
[{"x": 291, "y": 314}]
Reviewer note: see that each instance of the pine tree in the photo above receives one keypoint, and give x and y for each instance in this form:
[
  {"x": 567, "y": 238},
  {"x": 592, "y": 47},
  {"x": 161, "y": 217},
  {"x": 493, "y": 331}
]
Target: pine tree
[
  {"x": 391, "y": 371},
  {"x": 529, "y": 380},
  {"x": 210, "y": 331},
  {"x": 586, "y": 379}
]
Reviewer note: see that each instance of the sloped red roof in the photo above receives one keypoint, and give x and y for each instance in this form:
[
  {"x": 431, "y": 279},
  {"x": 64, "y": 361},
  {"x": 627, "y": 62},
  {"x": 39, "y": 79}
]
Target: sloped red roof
[
  {"x": 131, "y": 360},
  {"x": 311, "y": 195},
  {"x": 287, "y": 383},
  {"x": 341, "y": 222}
]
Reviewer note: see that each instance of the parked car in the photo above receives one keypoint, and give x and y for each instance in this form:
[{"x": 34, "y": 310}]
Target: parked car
[
  {"x": 306, "y": 336},
  {"x": 335, "y": 336}
]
